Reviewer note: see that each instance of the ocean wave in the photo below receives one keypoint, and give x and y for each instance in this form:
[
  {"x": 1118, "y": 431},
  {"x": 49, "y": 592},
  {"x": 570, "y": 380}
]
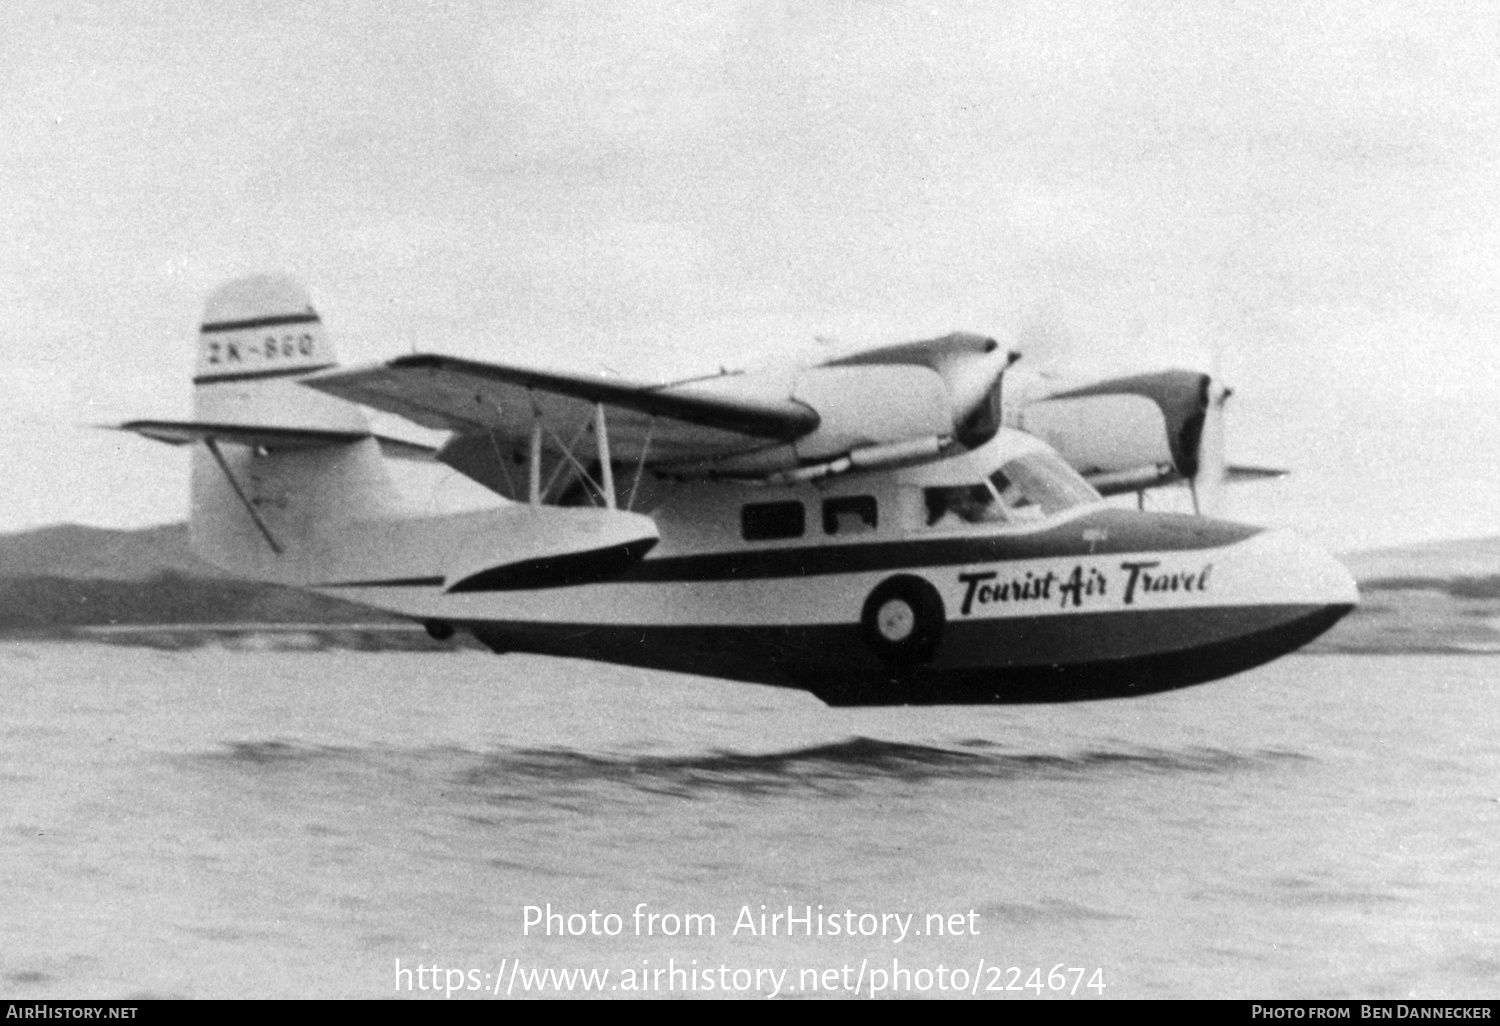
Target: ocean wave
[{"x": 817, "y": 767}]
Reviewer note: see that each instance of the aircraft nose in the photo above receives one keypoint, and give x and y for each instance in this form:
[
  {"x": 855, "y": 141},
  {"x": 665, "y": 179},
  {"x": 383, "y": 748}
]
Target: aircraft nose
[
  {"x": 1262, "y": 595},
  {"x": 1246, "y": 566},
  {"x": 1288, "y": 590},
  {"x": 1331, "y": 577},
  {"x": 1296, "y": 571}
]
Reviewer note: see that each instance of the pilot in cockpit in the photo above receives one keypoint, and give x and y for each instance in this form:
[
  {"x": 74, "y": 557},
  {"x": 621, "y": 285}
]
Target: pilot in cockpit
[
  {"x": 964, "y": 504},
  {"x": 996, "y": 501}
]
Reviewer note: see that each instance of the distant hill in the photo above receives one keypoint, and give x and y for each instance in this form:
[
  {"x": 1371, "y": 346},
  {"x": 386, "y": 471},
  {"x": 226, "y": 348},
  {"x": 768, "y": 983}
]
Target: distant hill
[
  {"x": 95, "y": 553},
  {"x": 1470, "y": 558},
  {"x": 1433, "y": 597},
  {"x": 44, "y": 605},
  {"x": 58, "y": 580}
]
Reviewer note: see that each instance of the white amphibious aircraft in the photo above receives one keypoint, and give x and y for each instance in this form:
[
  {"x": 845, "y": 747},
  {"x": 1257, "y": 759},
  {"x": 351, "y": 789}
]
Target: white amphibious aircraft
[{"x": 868, "y": 528}]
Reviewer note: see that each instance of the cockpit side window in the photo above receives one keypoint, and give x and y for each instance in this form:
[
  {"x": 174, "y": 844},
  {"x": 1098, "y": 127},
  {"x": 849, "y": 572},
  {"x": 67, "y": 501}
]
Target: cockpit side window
[
  {"x": 1028, "y": 487},
  {"x": 850, "y": 514},
  {"x": 771, "y": 521},
  {"x": 962, "y": 504}
]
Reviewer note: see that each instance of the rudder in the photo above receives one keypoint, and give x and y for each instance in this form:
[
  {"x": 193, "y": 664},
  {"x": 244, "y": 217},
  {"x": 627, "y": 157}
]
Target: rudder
[
  {"x": 258, "y": 337},
  {"x": 282, "y": 467}
]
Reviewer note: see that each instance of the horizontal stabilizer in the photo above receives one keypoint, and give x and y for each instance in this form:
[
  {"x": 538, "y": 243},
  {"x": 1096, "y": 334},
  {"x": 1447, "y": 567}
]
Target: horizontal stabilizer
[
  {"x": 1240, "y": 475},
  {"x": 185, "y": 432}
]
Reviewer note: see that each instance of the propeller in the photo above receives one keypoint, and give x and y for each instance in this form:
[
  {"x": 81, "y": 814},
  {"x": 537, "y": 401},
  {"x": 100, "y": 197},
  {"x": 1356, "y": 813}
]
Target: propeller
[
  {"x": 1206, "y": 484},
  {"x": 986, "y": 414}
]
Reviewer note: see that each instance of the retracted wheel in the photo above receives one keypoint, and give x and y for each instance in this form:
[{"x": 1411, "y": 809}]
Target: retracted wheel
[{"x": 903, "y": 620}]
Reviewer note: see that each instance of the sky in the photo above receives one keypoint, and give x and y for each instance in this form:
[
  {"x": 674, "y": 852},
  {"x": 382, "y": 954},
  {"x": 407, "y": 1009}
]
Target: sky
[{"x": 1300, "y": 196}]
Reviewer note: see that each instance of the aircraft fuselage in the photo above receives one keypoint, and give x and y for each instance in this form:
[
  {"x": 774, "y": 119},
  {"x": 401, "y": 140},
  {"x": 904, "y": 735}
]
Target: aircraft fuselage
[{"x": 851, "y": 591}]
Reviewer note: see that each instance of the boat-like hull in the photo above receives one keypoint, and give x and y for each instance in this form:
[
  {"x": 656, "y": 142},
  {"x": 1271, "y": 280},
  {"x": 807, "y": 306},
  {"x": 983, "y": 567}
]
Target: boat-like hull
[{"x": 1078, "y": 609}]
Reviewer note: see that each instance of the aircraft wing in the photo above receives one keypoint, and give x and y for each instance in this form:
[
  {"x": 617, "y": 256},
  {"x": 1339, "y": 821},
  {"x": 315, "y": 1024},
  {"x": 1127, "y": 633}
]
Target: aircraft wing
[
  {"x": 895, "y": 405},
  {"x": 698, "y": 419}
]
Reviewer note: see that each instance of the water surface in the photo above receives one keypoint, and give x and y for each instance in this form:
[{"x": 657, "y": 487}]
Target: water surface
[{"x": 213, "y": 823}]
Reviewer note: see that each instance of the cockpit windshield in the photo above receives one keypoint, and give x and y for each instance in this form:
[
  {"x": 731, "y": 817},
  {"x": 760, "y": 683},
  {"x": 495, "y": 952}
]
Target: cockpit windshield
[
  {"x": 1045, "y": 481},
  {"x": 1031, "y": 486}
]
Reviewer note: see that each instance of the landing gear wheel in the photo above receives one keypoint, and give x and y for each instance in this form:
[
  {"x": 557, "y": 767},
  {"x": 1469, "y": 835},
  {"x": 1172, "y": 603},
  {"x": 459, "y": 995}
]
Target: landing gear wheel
[{"x": 903, "y": 620}]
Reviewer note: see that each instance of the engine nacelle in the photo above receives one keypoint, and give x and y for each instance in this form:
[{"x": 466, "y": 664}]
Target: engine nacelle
[
  {"x": 1128, "y": 433},
  {"x": 914, "y": 398}
]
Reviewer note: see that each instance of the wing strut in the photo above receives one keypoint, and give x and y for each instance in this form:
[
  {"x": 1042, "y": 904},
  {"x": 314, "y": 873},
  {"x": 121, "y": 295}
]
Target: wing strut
[
  {"x": 213, "y": 447},
  {"x": 567, "y": 453},
  {"x": 604, "y": 487},
  {"x": 534, "y": 474},
  {"x": 640, "y": 470},
  {"x": 607, "y": 472}
]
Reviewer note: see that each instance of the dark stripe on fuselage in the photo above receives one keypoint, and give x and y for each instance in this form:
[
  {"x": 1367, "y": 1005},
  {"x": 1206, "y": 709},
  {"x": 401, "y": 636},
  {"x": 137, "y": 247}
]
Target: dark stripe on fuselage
[
  {"x": 389, "y": 582},
  {"x": 280, "y": 372},
  {"x": 1106, "y": 532},
  {"x": 259, "y": 322},
  {"x": 559, "y": 571}
]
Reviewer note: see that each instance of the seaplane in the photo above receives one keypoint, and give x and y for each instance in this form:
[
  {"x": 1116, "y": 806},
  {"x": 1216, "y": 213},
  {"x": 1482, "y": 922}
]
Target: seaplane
[{"x": 904, "y": 524}]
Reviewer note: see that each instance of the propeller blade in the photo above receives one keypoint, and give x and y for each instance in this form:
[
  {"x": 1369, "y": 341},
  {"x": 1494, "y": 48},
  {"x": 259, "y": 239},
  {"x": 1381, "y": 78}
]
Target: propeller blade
[
  {"x": 1207, "y": 484},
  {"x": 981, "y": 403}
]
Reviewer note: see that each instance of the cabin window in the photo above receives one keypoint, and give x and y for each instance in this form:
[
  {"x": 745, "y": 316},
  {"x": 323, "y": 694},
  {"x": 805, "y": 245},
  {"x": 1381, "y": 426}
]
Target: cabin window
[
  {"x": 850, "y": 514},
  {"x": 769, "y": 521}
]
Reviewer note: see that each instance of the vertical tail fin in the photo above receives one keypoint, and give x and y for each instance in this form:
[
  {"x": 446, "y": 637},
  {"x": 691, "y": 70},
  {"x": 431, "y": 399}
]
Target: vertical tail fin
[
  {"x": 268, "y": 493},
  {"x": 259, "y": 335},
  {"x": 289, "y": 485}
]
